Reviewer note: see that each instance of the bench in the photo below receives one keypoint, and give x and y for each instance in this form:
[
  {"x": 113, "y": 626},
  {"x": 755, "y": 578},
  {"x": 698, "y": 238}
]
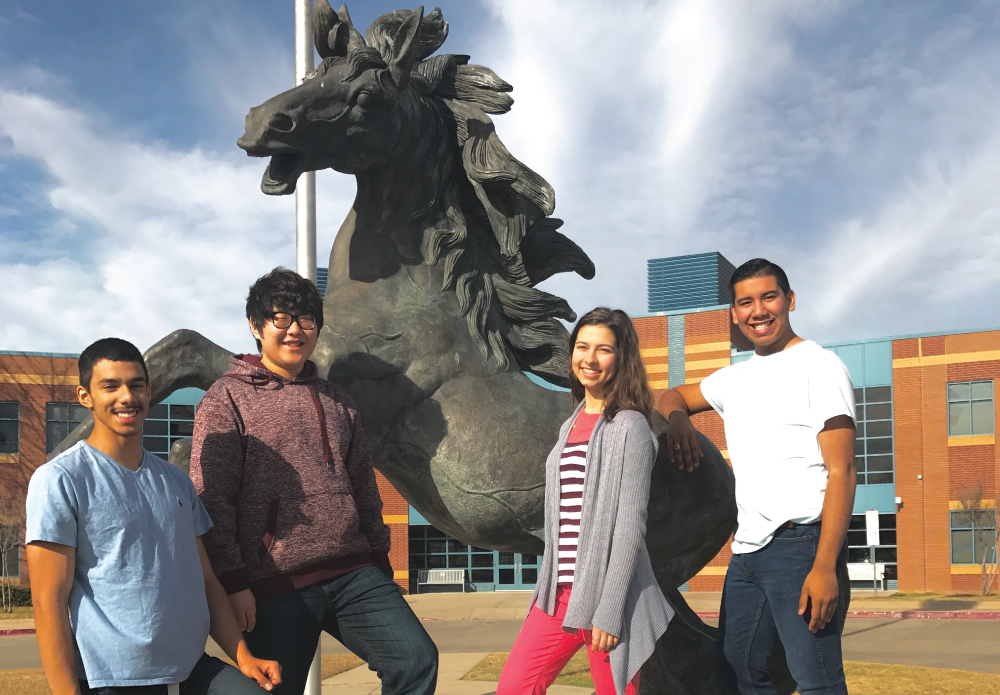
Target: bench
[
  {"x": 440, "y": 578},
  {"x": 865, "y": 571}
]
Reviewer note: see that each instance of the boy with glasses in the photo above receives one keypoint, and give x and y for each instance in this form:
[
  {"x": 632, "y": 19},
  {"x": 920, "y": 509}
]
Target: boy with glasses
[
  {"x": 281, "y": 462},
  {"x": 123, "y": 591}
]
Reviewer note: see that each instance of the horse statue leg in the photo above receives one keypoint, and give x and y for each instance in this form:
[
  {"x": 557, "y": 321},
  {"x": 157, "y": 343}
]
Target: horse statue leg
[{"x": 182, "y": 359}]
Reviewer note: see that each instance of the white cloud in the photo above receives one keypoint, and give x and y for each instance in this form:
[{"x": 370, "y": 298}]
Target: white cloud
[{"x": 146, "y": 239}]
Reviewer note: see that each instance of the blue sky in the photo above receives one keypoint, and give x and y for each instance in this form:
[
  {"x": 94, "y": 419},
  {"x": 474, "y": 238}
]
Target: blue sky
[{"x": 855, "y": 143}]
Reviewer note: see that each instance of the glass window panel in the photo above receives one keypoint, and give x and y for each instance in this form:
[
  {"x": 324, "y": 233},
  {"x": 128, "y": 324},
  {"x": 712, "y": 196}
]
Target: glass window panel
[
  {"x": 529, "y": 575},
  {"x": 506, "y": 558},
  {"x": 55, "y": 432},
  {"x": 158, "y": 412},
  {"x": 959, "y": 419},
  {"x": 417, "y": 562},
  {"x": 482, "y": 560},
  {"x": 879, "y": 478},
  {"x": 77, "y": 413},
  {"x": 859, "y": 463},
  {"x": 961, "y": 548},
  {"x": 879, "y": 464},
  {"x": 961, "y": 519},
  {"x": 154, "y": 427},
  {"x": 982, "y": 417},
  {"x": 886, "y": 521},
  {"x": 436, "y": 562},
  {"x": 456, "y": 546},
  {"x": 856, "y": 538},
  {"x": 861, "y": 479},
  {"x": 8, "y": 437},
  {"x": 857, "y": 554},
  {"x": 859, "y": 395},
  {"x": 182, "y": 412},
  {"x": 182, "y": 429},
  {"x": 985, "y": 518},
  {"x": 529, "y": 559},
  {"x": 859, "y": 447},
  {"x": 890, "y": 572},
  {"x": 437, "y": 545},
  {"x": 482, "y": 576},
  {"x": 857, "y": 522},
  {"x": 986, "y": 543},
  {"x": 878, "y": 394},
  {"x": 155, "y": 444},
  {"x": 885, "y": 554},
  {"x": 481, "y": 550},
  {"x": 880, "y": 429},
  {"x": 887, "y": 537},
  {"x": 958, "y": 392},
  {"x": 57, "y": 411},
  {"x": 506, "y": 576},
  {"x": 458, "y": 561},
  {"x": 880, "y": 411},
  {"x": 981, "y": 389},
  {"x": 860, "y": 412},
  {"x": 434, "y": 533},
  {"x": 859, "y": 429},
  {"x": 8, "y": 411},
  {"x": 878, "y": 446},
  {"x": 416, "y": 546}
]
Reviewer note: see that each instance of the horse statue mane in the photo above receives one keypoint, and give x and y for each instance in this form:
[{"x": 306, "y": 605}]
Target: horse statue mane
[{"x": 499, "y": 242}]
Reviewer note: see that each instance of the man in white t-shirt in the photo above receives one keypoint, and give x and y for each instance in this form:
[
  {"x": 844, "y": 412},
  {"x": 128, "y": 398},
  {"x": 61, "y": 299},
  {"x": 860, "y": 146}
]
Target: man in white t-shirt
[{"x": 789, "y": 421}]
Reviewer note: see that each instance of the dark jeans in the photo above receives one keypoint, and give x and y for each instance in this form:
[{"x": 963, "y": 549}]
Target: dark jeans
[
  {"x": 210, "y": 676},
  {"x": 760, "y": 606},
  {"x": 366, "y": 612}
]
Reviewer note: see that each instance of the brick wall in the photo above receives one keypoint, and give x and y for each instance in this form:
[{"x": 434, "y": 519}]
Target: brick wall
[{"x": 395, "y": 511}]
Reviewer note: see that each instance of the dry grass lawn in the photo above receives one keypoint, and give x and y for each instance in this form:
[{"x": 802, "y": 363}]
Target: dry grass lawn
[
  {"x": 31, "y": 681},
  {"x": 19, "y": 613},
  {"x": 862, "y": 678}
]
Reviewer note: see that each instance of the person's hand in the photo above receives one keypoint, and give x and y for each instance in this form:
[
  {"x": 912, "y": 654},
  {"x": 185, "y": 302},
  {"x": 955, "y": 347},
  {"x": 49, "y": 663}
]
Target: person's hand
[
  {"x": 683, "y": 447},
  {"x": 245, "y": 608},
  {"x": 819, "y": 596},
  {"x": 266, "y": 673},
  {"x": 601, "y": 641}
]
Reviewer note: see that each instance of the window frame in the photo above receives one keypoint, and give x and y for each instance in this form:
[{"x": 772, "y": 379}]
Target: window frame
[
  {"x": 17, "y": 420},
  {"x": 49, "y": 419},
  {"x": 970, "y": 401},
  {"x": 862, "y": 439},
  {"x": 952, "y": 529}
]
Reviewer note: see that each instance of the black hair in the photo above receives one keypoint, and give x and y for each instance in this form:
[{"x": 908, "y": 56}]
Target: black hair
[
  {"x": 758, "y": 268},
  {"x": 282, "y": 290},
  {"x": 114, "y": 349}
]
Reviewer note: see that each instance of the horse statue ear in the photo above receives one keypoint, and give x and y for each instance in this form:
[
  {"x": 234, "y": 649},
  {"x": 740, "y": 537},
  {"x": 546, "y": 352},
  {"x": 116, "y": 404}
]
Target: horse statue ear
[
  {"x": 406, "y": 48},
  {"x": 324, "y": 26},
  {"x": 355, "y": 40}
]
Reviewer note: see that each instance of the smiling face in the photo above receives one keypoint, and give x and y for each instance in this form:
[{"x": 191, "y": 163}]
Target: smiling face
[
  {"x": 760, "y": 308},
  {"x": 118, "y": 396},
  {"x": 285, "y": 350},
  {"x": 593, "y": 358}
]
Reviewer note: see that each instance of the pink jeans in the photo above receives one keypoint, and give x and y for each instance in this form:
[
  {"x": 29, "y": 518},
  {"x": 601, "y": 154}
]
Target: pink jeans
[{"x": 543, "y": 649}]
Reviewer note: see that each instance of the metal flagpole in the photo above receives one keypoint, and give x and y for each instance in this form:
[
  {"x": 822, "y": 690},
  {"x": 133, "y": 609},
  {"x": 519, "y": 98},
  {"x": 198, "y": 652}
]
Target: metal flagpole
[{"x": 305, "y": 228}]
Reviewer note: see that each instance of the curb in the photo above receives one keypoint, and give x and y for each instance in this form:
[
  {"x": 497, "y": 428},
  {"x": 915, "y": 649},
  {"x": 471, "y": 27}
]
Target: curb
[
  {"x": 904, "y": 615},
  {"x": 22, "y": 631}
]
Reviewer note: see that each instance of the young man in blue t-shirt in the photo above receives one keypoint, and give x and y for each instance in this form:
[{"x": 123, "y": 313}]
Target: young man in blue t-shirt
[
  {"x": 789, "y": 422},
  {"x": 123, "y": 592}
]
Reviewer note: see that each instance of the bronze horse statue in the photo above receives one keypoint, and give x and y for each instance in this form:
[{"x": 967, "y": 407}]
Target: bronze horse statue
[{"x": 432, "y": 312}]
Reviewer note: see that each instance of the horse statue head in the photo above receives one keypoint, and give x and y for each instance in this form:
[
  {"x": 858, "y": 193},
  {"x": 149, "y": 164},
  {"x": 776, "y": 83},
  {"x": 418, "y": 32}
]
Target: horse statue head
[{"x": 435, "y": 183}]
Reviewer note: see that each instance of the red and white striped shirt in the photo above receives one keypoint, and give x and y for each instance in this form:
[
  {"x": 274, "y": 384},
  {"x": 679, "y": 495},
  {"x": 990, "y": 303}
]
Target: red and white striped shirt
[{"x": 572, "y": 472}]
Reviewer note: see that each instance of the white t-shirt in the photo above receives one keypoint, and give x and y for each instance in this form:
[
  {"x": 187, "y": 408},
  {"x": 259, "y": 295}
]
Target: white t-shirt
[{"x": 773, "y": 407}]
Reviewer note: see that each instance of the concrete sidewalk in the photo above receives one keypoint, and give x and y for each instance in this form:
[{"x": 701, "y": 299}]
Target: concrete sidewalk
[{"x": 451, "y": 668}]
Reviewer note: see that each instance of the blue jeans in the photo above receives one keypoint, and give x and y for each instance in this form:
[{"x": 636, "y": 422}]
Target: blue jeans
[
  {"x": 210, "y": 676},
  {"x": 366, "y": 613},
  {"x": 760, "y": 606}
]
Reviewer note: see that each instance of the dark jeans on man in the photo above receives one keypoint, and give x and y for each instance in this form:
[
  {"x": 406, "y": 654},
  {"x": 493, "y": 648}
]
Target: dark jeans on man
[
  {"x": 760, "y": 606},
  {"x": 366, "y": 613},
  {"x": 210, "y": 676}
]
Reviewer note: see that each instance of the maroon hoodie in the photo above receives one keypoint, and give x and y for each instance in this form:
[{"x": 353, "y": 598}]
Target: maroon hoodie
[{"x": 283, "y": 468}]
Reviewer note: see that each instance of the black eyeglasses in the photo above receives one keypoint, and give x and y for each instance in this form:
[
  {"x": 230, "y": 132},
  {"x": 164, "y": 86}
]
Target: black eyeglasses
[{"x": 282, "y": 320}]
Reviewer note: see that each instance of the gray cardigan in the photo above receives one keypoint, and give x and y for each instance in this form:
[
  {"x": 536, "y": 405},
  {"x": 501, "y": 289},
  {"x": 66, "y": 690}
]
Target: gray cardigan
[{"x": 614, "y": 588}]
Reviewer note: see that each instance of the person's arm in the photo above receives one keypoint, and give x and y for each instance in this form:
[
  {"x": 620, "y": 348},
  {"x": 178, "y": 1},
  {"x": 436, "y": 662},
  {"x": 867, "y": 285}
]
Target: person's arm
[
  {"x": 629, "y": 535},
  {"x": 677, "y": 405},
  {"x": 217, "y": 458},
  {"x": 226, "y": 632},
  {"x": 51, "y": 567},
  {"x": 820, "y": 590},
  {"x": 367, "y": 499}
]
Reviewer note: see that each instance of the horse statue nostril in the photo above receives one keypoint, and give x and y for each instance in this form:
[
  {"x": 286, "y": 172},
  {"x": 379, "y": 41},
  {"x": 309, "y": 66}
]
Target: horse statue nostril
[{"x": 281, "y": 122}]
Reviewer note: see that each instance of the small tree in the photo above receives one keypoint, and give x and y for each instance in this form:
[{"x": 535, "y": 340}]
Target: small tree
[
  {"x": 11, "y": 525},
  {"x": 983, "y": 520}
]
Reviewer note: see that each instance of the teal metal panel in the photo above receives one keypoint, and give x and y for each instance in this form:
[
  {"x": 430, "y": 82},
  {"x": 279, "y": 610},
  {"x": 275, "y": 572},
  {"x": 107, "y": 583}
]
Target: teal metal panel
[
  {"x": 190, "y": 396},
  {"x": 880, "y": 497},
  {"x": 686, "y": 282},
  {"x": 878, "y": 363},
  {"x": 675, "y": 345},
  {"x": 738, "y": 357},
  {"x": 853, "y": 357},
  {"x": 416, "y": 518}
]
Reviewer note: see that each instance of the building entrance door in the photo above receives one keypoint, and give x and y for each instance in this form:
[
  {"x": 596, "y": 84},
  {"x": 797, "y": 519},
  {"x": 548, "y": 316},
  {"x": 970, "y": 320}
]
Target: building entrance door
[{"x": 516, "y": 572}]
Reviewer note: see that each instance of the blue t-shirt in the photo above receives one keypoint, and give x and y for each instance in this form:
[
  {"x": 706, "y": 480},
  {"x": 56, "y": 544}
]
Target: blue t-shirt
[{"x": 137, "y": 607}]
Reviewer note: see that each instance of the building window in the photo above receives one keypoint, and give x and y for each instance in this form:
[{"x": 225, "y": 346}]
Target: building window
[
  {"x": 970, "y": 408},
  {"x": 9, "y": 429},
  {"x": 873, "y": 446},
  {"x": 165, "y": 425},
  {"x": 60, "y": 420},
  {"x": 973, "y": 536},
  {"x": 858, "y": 550}
]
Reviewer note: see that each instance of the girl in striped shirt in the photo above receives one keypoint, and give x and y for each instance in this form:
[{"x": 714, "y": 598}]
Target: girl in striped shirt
[{"x": 596, "y": 586}]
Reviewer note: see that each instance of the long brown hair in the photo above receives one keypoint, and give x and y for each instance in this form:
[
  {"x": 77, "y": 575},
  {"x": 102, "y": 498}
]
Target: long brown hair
[{"x": 628, "y": 388}]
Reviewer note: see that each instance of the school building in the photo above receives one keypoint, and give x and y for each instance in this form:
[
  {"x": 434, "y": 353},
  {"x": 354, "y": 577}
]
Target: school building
[{"x": 926, "y": 456}]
